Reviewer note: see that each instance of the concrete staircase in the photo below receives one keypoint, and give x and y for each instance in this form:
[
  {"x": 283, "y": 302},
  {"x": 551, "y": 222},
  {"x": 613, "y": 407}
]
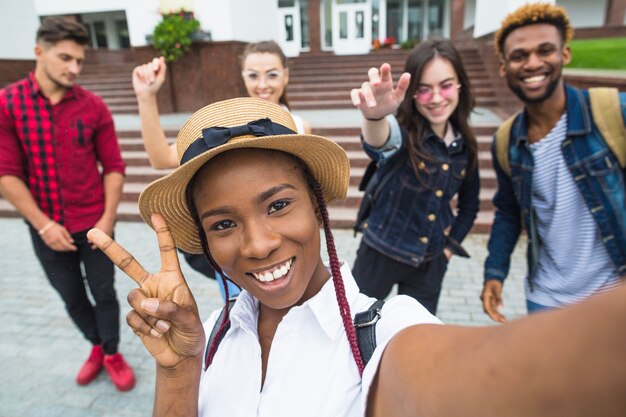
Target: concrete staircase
[
  {"x": 342, "y": 213},
  {"x": 316, "y": 82},
  {"x": 324, "y": 81},
  {"x": 112, "y": 82}
]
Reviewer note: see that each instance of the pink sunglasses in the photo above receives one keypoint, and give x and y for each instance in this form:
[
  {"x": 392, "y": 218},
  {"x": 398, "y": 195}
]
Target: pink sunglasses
[{"x": 424, "y": 94}]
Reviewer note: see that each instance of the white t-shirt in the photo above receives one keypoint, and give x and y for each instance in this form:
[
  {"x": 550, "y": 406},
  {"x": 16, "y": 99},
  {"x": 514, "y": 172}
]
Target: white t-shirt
[
  {"x": 297, "y": 120},
  {"x": 311, "y": 371},
  {"x": 573, "y": 262}
]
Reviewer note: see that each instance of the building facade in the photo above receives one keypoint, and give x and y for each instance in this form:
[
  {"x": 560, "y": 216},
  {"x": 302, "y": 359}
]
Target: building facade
[{"x": 337, "y": 26}]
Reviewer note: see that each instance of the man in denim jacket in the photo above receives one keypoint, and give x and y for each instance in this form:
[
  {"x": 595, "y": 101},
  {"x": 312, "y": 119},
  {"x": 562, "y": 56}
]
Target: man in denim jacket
[{"x": 566, "y": 187}]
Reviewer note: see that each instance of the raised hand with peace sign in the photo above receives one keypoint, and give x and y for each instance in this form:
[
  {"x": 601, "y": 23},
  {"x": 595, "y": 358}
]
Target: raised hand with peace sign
[{"x": 165, "y": 315}]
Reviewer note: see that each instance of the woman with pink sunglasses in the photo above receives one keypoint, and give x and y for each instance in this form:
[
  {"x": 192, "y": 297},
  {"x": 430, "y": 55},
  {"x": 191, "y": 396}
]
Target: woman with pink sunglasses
[{"x": 419, "y": 137}]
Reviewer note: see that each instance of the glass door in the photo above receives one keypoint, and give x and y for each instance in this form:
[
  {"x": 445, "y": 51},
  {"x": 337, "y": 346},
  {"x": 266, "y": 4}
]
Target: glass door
[
  {"x": 352, "y": 28},
  {"x": 289, "y": 23}
]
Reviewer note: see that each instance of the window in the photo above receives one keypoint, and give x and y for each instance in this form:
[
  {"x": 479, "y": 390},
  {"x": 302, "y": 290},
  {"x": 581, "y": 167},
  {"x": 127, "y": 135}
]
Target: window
[
  {"x": 122, "y": 33},
  {"x": 100, "y": 35}
]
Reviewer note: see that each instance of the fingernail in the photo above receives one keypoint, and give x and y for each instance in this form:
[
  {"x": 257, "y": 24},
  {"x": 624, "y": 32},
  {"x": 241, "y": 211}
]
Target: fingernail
[
  {"x": 155, "y": 333},
  {"x": 163, "y": 326},
  {"x": 371, "y": 103},
  {"x": 150, "y": 306}
]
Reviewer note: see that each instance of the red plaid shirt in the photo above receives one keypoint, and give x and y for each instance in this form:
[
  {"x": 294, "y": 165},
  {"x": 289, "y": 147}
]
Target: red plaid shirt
[{"x": 56, "y": 150}]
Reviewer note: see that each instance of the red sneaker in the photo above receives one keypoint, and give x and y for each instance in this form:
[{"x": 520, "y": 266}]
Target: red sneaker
[
  {"x": 121, "y": 374},
  {"x": 91, "y": 368}
]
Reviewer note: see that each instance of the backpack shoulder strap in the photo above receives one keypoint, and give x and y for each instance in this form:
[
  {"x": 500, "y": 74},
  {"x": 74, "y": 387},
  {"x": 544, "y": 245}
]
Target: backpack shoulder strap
[
  {"x": 216, "y": 327},
  {"x": 503, "y": 137},
  {"x": 365, "y": 326},
  {"x": 607, "y": 115}
]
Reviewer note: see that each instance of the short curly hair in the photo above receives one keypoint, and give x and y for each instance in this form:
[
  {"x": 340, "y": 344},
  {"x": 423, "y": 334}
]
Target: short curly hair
[{"x": 531, "y": 14}]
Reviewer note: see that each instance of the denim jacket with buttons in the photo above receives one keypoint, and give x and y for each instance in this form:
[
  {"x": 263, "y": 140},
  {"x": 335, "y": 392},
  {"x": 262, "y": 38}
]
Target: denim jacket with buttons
[
  {"x": 410, "y": 222},
  {"x": 596, "y": 173}
]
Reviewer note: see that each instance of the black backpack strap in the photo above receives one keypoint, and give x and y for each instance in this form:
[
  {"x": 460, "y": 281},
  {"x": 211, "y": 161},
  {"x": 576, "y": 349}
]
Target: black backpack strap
[
  {"x": 365, "y": 326},
  {"x": 216, "y": 327}
]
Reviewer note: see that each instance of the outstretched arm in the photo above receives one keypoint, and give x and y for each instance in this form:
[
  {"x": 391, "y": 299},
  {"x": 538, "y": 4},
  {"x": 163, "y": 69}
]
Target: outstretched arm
[
  {"x": 147, "y": 80},
  {"x": 165, "y": 317},
  {"x": 568, "y": 362},
  {"x": 376, "y": 99}
]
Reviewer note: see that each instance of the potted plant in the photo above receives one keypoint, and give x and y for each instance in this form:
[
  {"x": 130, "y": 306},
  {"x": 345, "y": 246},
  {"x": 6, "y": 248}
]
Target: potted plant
[{"x": 172, "y": 37}]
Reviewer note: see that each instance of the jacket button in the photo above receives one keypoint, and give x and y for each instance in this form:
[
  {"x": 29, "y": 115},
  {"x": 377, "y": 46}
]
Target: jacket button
[
  {"x": 438, "y": 193},
  {"x": 462, "y": 173},
  {"x": 445, "y": 167},
  {"x": 432, "y": 217},
  {"x": 424, "y": 239},
  {"x": 421, "y": 165}
]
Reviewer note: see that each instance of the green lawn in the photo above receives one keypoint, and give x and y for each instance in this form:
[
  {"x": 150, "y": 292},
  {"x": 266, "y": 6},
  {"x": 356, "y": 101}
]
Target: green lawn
[{"x": 609, "y": 53}]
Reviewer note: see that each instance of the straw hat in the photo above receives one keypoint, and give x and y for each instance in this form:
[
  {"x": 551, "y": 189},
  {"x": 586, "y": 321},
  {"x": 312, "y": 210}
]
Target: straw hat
[{"x": 196, "y": 144}]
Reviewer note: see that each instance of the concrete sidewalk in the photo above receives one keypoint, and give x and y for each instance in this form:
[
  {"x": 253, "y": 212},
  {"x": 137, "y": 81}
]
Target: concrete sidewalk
[{"x": 41, "y": 350}]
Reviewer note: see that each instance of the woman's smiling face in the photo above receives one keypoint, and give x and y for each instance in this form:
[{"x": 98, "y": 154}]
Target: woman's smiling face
[
  {"x": 265, "y": 76},
  {"x": 260, "y": 221}
]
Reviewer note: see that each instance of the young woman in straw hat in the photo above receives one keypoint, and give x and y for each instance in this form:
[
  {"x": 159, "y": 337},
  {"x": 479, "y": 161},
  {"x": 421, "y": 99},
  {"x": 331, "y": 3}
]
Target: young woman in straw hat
[
  {"x": 420, "y": 138},
  {"x": 265, "y": 75},
  {"x": 251, "y": 194}
]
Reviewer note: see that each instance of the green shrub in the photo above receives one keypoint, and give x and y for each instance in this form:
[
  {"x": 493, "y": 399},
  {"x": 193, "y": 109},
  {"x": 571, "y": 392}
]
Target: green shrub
[{"x": 172, "y": 36}]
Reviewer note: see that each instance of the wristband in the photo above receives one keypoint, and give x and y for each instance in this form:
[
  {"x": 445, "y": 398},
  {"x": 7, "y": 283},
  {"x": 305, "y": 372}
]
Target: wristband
[
  {"x": 374, "y": 120},
  {"x": 47, "y": 227}
]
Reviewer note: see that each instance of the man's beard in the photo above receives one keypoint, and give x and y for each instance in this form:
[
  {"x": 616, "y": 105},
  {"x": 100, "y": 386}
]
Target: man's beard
[
  {"x": 58, "y": 83},
  {"x": 519, "y": 92}
]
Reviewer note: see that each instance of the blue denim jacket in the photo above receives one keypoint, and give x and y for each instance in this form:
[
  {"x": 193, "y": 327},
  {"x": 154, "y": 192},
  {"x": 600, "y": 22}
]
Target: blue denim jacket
[
  {"x": 595, "y": 170},
  {"x": 409, "y": 221}
]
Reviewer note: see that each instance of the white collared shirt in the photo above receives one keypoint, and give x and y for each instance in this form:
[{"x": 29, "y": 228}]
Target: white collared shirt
[{"x": 310, "y": 371}]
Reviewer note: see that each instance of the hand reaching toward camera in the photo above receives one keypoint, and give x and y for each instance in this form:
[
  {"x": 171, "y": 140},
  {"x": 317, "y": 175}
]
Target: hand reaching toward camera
[{"x": 377, "y": 98}]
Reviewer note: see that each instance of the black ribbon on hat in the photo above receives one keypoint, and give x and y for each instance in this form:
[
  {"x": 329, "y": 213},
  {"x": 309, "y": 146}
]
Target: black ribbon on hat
[{"x": 213, "y": 137}]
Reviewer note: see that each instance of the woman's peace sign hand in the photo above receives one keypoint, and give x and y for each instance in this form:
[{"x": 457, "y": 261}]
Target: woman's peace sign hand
[{"x": 165, "y": 315}]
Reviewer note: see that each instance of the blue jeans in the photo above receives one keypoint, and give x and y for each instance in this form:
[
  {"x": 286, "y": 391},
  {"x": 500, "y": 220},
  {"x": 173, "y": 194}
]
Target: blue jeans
[{"x": 535, "y": 308}]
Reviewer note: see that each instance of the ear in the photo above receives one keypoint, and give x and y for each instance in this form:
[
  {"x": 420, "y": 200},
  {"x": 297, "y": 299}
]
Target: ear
[
  {"x": 502, "y": 68},
  {"x": 39, "y": 50},
  {"x": 567, "y": 55}
]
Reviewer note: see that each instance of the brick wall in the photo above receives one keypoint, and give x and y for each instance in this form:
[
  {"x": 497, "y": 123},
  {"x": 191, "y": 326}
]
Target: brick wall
[
  {"x": 209, "y": 72},
  {"x": 12, "y": 70}
]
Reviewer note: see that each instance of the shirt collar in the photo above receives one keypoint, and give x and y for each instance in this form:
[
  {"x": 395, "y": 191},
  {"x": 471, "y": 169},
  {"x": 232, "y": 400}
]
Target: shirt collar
[
  {"x": 323, "y": 306},
  {"x": 70, "y": 92},
  {"x": 578, "y": 113}
]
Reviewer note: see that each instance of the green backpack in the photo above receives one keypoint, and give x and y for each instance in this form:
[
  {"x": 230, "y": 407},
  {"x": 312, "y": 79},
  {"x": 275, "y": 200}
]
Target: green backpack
[{"x": 606, "y": 113}]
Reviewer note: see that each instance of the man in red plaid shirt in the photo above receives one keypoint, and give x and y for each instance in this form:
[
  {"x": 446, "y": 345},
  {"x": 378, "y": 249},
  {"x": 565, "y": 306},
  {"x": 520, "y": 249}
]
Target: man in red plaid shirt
[{"x": 53, "y": 137}]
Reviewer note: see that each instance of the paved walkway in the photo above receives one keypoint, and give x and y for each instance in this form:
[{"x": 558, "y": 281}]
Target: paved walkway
[{"x": 41, "y": 351}]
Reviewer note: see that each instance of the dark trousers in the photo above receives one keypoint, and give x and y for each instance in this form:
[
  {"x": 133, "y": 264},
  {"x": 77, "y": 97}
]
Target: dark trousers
[
  {"x": 99, "y": 323},
  {"x": 376, "y": 274}
]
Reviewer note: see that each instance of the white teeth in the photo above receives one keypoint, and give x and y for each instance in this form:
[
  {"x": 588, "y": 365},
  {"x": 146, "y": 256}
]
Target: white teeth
[
  {"x": 534, "y": 79},
  {"x": 278, "y": 272}
]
